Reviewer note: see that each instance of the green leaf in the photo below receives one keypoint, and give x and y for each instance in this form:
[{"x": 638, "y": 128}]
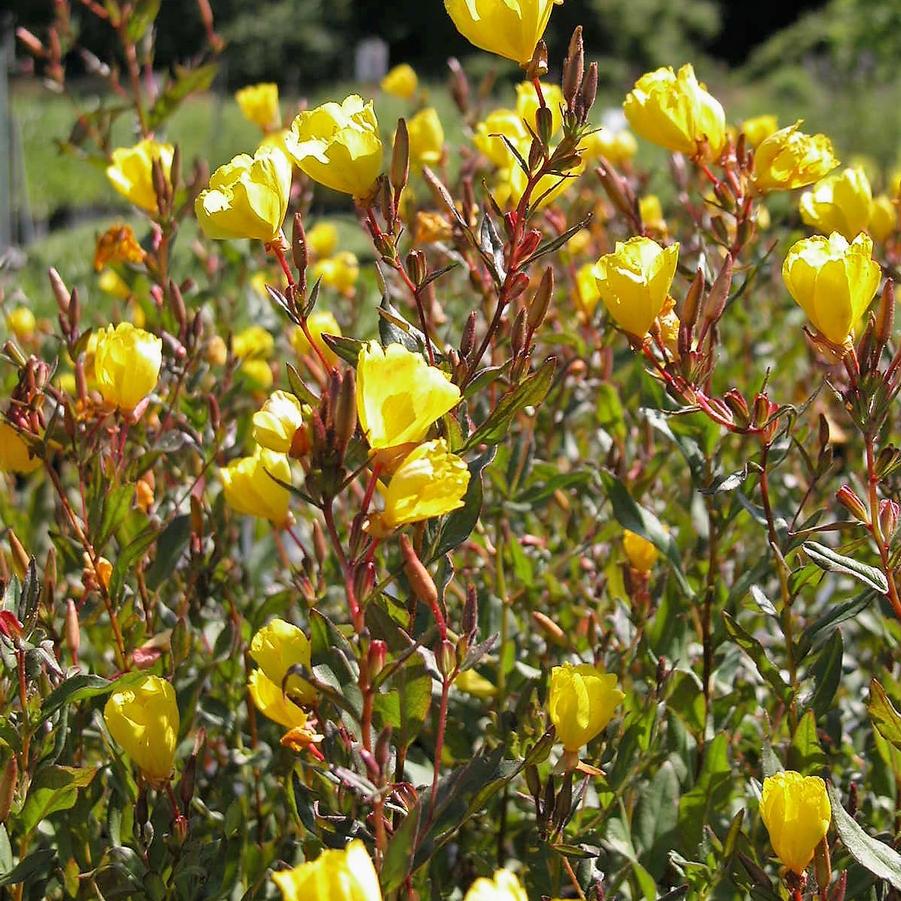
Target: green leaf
[
  {"x": 805, "y": 754},
  {"x": 346, "y": 348},
  {"x": 530, "y": 392},
  {"x": 127, "y": 558},
  {"x": 815, "y": 635},
  {"x": 636, "y": 519},
  {"x": 54, "y": 788},
  {"x": 885, "y": 717},
  {"x": 185, "y": 82},
  {"x": 37, "y": 864},
  {"x": 173, "y": 541},
  {"x": 458, "y": 525},
  {"x": 406, "y": 705},
  {"x": 394, "y": 329},
  {"x": 828, "y": 560},
  {"x": 877, "y": 857},
  {"x": 143, "y": 15},
  {"x": 827, "y": 674},
  {"x": 708, "y": 792},
  {"x": 109, "y": 513},
  {"x": 755, "y": 650},
  {"x": 80, "y": 687}
]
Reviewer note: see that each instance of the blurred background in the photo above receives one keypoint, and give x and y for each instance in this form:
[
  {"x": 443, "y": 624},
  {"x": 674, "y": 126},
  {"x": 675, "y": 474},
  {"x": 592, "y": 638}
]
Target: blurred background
[{"x": 834, "y": 63}]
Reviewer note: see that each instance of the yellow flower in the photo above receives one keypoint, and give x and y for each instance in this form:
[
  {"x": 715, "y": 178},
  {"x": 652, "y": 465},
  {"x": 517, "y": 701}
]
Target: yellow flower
[
  {"x": 426, "y": 138},
  {"x": 252, "y": 485},
  {"x": 259, "y": 104},
  {"x": 127, "y": 364},
  {"x": 676, "y": 112},
  {"x": 216, "y": 351},
  {"x": 118, "y": 244},
  {"x": 789, "y": 159},
  {"x": 527, "y": 104},
  {"x": 652, "y": 212},
  {"x": 796, "y": 812},
  {"x": 617, "y": 147},
  {"x": 839, "y": 203},
  {"x": 319, "y": 323},
  {"x": 15, "y": 455},
  {"x": 131, "y": 171},
  {"x": 759, "y": 128},
  {"x": 401, "y": 82},
  {"x": 634, "y": 282},
  {"x": 587, "y": 293},
  {"x": 832, "y": 281},
  {"x": 21, "y": 322},
  {"x": 277, "y": 647},
  {"x": 339, "y": 272},
  {"x": 503, "y": 886},
  {"x": 338, "y": 145},
  {"x": 269, "y": 700},
  {"x": 247, "y": 198},
  {"x": 431, "y": 227},
  {"x": 275, "y": 424},
  {"x": 143, "y": 719},
  {"x": 399, "y": 395},
  {"x": 346, "y": 875},
  {"x": 110, "y": 282},
  {"x": 488, "y": 140},
  {"x": 512, "y": 182},
  {"x": 470, "y": 682},
  {"x": 581, "y": 702},
  {"x": 257, "y": 371},
  {"x": 509, "y": 28},
  {"x": 883, "y": 218},
  {"x": 429, "y": 482},
  {"x": 641, "y": 553},
  {"x": 254, "y": 341},
  {"x": 322, "y": 239}
]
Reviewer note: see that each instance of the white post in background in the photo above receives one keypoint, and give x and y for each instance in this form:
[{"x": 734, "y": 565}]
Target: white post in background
[{"x": 6, "y": 144}]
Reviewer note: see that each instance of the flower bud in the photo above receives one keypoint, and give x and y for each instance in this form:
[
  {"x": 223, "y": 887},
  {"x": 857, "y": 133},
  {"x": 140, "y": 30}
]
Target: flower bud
[
  {"x": 8, "y": 782},
  {"x": 581, "y": 702},
  {"x": 73, "y": 630},
  {"x": 888, "y": 518},
  {"x": 551, "y": 630},
  {"x": 851, "y": 502},
  {"x": 796, "y": 812},
  {"x": 377, "y": 654},
  {"x": 446, "y": 657},
  {"x": 573, "y": 68},
  {"x": 20, "y": 556},
  {"x": 542, "y": 300},
  {"x": 421, "y": 582},
  {"x": 400, "y": 158}
]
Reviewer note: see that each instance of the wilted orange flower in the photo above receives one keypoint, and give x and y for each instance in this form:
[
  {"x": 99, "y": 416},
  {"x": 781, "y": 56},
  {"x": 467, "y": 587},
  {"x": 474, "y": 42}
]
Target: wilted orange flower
[{"x": 118, "y": 244}]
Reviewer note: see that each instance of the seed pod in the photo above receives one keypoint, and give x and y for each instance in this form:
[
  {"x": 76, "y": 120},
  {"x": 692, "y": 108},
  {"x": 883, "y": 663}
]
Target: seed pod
[
  {"x": 589, "y": 93},
  {"x": 417, "y": 267},
  {"x": 345, "y": 412},
  {"x": 573, "y": 68},
  {"x": 468, "y": 338}
]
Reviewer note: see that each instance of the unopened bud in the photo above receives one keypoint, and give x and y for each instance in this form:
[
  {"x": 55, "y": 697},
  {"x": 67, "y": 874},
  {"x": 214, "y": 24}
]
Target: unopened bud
[
  {"x": 446, "y": 658},
  {"x": 73, "y": 630},
  {"x": 471, "y": 611},
  {"x": 544, "y": 120},
  {"x": 19, "y": 555},
  {"x": 551, "y": 630},
  {"x": 852, "y": 503},
  {"x": 888, "y": 518},
  {"x": 177, "y": 305},
  {"x": 716, "y": 299},
  {"x": 468, "y": 338},
  {"x": 533, "y": 781},
  {"x": 376, "y": 656},
  {"x": 383, "y": 749},
  {"x": 738, "y": 406},
  {"x": 529, "y": 243},
  {"x": 822, "y": 865},
  {"x": 573, "y": 68},
  {"x": 688, "y": 315},
  {"x": 60, "y": 291},
  {"x": 416, "y": 266},
  {"x": 589, "y": 93},
  {"x": 320, "y": 544},
  {"x": 518, "y": 333},
  {"x": 345, "y": 411},
  {"x": 299, "y": 252},
  {"x": 887, "y": 461},
  {"x": 885, "y": 315},
  {"x": 518, "y": 286},
  {"x": 421, "y": 582},
  {"x": 400, "y": 158},
  {"x": 542, "y": 300},
  {"x": 8, "y": 783}
]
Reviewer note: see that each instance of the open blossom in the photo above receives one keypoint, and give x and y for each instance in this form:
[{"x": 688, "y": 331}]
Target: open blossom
[
  {"x": 796, "y": 812},
  {"x": 641, "y": 553},
  {"x": 144, "y": 721},
  {"x": 338, "y": 145},
  {"x": 832, "y": 281},
  {"x": 509, "y": 28},
  {"x": 502, "y": 886},
  {"x": 426, "y": 134},
  {"x": 15, "y": 455},
  {"x": 255, "y": 486},
  {"x": 758, "y": 128},
  {"x": 790, "y": 159},
  {"x": 429, "y": 482},
  {"x": 320, "y": 322},
  {"x": 127, "y": 364},
  {"x": 259, "y": 104},
  {"x": 401, "y": 81},
  {"x": 634, "y": 282},
  {"x": 581, "y": 702},
  {"x": 841, "y": 203},
  {"x": 399, "y": 395},
  {"x": 131, "y": 171},
  {"x": 276, "y": 423},
  {"x": 247, "y": 198},
  {"x": 675, "y": 111},
  {"x": 277, "y": 647},
  {"x": 346, "y": 875}
]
